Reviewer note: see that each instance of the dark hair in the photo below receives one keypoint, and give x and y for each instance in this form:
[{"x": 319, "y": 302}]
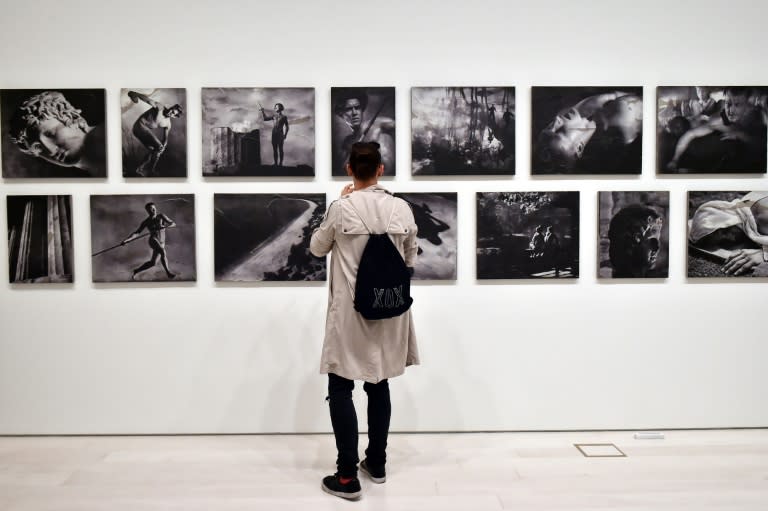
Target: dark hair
[
  {"x": 148, "y": 204},
  {"x": 341, "y": 98},
  {"x": 364, "y": 158},
  {"x": 281, "y": 106},
  {"x": 738, "y": 91}
]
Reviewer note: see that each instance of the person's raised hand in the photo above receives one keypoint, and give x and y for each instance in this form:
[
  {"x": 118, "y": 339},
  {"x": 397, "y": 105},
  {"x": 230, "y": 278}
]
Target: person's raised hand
[{"x": 347, "y": 189}]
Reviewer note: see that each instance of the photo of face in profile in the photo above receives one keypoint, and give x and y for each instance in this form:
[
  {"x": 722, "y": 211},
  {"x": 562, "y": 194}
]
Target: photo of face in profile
[
  {"x": 728, "y": 234},
  {"x": 587, "y": 130},
  {"x": 57, "y": 133},
  {"x": 634, "y": 235},
  {"x": 711, "y": 129},
  {"x": 362, "y": 114}
]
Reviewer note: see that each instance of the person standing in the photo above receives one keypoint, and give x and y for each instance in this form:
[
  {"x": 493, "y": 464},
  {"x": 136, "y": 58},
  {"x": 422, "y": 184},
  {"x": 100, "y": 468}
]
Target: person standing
[
  {"x": 279, "y": 131},
  {"x": 356, "y": 348}
]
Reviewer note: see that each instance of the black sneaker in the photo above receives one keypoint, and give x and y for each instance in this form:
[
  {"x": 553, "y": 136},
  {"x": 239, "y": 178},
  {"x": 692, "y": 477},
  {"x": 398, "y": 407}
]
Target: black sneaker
[
  {"x": 377, "y": 475},
  {"x": 351, "y": 490}
]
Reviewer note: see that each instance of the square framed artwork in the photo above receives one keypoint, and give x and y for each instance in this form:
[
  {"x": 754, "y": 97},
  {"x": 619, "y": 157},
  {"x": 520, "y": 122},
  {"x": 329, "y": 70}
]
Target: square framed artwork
[
  {"x": 258, "y": 131},
  {"x": 53, "y": 133},
  {"x": 154, "y": 132},
  {"x": 634, "y": 235},
  {"x": 362, "y": 114},
  {"x": 586, "y": 130},
  {"x": 527, "y": 235},
  {"x": 265, "y": 237},
  {"x": 728, "y": 234},
  {"x": 143, "y": 238},
  {"x": 40, "y": 239},
  {"x": 436, "y": 218},
  {"x": 711, "y": 129},
  {"x": 462, "y": 131}
]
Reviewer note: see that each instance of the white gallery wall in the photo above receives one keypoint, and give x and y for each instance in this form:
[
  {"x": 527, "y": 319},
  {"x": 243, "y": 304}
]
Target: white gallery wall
[{"x": 503, "y": 355}]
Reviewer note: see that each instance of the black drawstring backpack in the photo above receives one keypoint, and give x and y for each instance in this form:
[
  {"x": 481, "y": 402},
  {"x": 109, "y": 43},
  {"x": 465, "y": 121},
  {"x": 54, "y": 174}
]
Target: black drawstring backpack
[{"x": 383, "y": 286}]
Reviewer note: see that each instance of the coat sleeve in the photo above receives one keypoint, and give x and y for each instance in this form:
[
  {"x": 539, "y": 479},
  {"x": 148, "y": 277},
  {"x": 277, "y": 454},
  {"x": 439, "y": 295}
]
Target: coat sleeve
[
  {"x": 411, "y": 246},
  {"x": 323, "y": 237}
]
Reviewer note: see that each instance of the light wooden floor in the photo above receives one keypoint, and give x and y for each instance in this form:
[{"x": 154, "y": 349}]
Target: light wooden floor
[{"x": 696, "y": 470}]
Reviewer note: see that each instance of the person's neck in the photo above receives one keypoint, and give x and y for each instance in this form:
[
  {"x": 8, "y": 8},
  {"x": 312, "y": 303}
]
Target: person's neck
[{"x": 360, "y": 185}]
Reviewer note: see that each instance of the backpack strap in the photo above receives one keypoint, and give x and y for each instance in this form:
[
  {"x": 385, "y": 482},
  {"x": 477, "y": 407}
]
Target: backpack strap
[{"x": 389, "y": 222}]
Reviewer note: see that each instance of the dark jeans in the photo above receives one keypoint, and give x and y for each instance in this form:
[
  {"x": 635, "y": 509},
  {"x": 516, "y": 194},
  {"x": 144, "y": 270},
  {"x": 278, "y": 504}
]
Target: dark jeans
[{"x": 344, "y": 421}]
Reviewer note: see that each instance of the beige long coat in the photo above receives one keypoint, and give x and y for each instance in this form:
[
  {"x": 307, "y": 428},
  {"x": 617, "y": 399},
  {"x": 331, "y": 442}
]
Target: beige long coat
[{"x": 356, "y": 348}]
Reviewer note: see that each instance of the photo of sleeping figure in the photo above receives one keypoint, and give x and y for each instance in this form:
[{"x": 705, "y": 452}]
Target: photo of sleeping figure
[
  {"x": 716, "y": 130},
  {"x": 728, "y": 234},
  {"x": 587, "y": 130}
]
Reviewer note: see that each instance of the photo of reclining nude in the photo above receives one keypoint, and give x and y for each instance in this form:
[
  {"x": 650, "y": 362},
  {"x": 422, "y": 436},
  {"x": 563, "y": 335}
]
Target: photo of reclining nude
[
  {"x": 587, "y": 130},
  {"x": 265, "y": 237},
  {"x": 435, "y": 215},
  {"x": 154, "y": 128},
  {"x": 527, "y": 235},
  {"x": 728, "y": 234},
  {"x": 634, "y": 235},
  {"x": 711, "y": 130},
  {"x": 143, "y": 238},
  {"x": 462, "y": 130},
  {"x": 53, "y": 133}
]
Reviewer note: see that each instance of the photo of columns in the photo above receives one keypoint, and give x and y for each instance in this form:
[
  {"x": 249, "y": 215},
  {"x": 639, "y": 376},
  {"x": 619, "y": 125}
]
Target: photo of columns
[{"x": 40, "y": 239}]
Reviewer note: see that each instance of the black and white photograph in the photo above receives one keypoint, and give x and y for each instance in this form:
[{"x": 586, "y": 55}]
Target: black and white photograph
[
  {"x": 634, "y": 235},
  {"x": 362, "y": 114},
  {"x": 462, "y": 131},
  {"x": 53, "y": 133},
  {"x": 154, "y": 127},
  {"x": 728, "y": 234},
  {"x": 587, "y": 130},
  {"x": 143, "y": 238},
  {"x": 436, "y": 219},
  {"x": 258, "y": 131},
  {"x": 40, "y": 239},
  {"x": 527, "y": 235},
  {"x": 265, "y": 237},
  {"x": 711, "y": 129}
]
